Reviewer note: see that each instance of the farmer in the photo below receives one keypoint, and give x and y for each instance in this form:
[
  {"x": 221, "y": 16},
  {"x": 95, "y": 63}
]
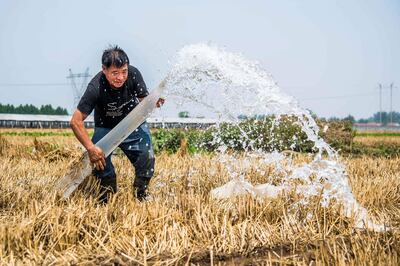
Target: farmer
[{"x": 113, "y": 93}]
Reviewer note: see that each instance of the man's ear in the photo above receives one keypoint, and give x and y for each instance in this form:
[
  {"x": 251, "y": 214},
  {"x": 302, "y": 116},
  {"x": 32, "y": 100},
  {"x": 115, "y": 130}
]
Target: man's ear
[{"x": 104, "y": 69}]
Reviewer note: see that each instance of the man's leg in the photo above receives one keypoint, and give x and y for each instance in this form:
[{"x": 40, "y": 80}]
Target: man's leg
[
  {"x": 107, "y": 178},
  {"x": 139, "y": 150}
]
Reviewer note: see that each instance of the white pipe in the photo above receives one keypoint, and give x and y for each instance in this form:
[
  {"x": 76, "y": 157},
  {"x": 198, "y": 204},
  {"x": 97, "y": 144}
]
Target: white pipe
[{"x": 132, "y": 121}]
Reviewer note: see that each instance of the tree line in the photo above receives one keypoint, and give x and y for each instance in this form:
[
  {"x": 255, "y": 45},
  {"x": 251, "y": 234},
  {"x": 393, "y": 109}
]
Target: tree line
[
  {"x": 378, "y": 117},
  {"x": 46, "y": 109}
]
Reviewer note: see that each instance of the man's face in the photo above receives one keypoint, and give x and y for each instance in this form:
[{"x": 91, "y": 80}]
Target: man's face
[{"x": 116, "y": 76}]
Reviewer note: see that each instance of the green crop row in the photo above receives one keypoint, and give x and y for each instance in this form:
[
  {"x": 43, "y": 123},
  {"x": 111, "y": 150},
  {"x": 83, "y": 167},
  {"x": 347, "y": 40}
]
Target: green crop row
[
  {"x": 265, "y": 135},
  {"x": 378, "y": 134},
  {"x": 37, "y": 133}
]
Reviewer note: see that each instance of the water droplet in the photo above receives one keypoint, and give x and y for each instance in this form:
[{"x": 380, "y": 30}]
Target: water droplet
[{"x": 202, "y": 74}]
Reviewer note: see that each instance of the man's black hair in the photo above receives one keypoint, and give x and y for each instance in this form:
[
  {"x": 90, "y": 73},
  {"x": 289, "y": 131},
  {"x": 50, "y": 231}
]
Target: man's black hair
[{"x": 114, "y": 56}]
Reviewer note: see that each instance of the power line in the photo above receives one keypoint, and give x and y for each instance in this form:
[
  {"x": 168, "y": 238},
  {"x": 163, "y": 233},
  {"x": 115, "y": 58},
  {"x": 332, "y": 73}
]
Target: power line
[
  {"x": 35, "y": 84},
  {"x": 83, "y": 83},
  {"x": 337, "y": 96}
]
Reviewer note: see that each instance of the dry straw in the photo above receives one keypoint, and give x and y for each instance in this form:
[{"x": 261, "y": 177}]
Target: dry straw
[{"x": 182, "y": 224}]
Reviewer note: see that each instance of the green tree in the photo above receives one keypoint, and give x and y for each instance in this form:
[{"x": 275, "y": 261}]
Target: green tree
[
  {"x": 31, "y": 109},
  {"x": 378, "y": 115},
  {"x": 362, "y": 120},
  {"x": 183, "y": 114},
  {"x": 350, "y": 118}
]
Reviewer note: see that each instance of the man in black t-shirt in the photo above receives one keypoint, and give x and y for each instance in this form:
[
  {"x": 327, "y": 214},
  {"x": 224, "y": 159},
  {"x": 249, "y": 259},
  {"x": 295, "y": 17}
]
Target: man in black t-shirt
[{"x": 113, "y": 93}]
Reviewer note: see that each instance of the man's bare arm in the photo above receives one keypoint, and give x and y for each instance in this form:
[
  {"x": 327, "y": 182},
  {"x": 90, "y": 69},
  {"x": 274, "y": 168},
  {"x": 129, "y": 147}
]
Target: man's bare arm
[
  {"x": 78, "y": 127},
  {"x": 96, "y": 155}
]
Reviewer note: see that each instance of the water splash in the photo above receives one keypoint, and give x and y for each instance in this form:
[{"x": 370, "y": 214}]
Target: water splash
[{"x": 225, "y": 85}]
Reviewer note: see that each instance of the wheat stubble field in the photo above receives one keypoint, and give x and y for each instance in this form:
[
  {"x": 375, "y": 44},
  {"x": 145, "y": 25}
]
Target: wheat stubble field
[{"x": 182, "y": 224}]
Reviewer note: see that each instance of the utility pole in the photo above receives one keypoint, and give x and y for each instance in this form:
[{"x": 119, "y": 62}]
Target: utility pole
[
  {"x": 380, "y": 103},
  {"x": 391, "y": 101}
]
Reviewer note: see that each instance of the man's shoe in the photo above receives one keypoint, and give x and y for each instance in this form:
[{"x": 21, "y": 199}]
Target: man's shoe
[
  {"x": 108, "y": 186},
  {"x": 142, "y": 194},
  {"x": 140, "y": 188}
]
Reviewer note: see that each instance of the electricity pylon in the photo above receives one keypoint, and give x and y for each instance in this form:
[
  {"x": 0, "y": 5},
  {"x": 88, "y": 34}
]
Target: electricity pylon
[{"x": 76, "y": 89}]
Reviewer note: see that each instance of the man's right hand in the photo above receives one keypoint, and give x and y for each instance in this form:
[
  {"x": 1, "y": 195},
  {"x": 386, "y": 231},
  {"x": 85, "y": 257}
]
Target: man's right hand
[{"x": 97, "y": 157}]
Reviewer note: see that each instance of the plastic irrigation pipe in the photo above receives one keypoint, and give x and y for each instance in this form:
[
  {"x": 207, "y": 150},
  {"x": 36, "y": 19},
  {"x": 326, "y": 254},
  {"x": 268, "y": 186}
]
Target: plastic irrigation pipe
[{"x": 132, "y": 121}]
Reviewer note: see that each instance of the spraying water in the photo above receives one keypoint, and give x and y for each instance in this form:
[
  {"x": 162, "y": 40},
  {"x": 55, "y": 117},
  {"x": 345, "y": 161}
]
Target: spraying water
[{"x": 224, "y": 85}]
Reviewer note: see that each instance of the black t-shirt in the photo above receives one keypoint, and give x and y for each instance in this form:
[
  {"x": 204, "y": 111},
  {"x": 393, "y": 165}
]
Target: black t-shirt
[{"x": 112, "y": 105}]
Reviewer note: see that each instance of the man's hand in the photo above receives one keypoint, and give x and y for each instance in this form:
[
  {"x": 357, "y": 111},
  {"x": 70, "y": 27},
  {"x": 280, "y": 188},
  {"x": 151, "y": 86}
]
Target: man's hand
[
  {"x": 97, "y": 157},
  {"x": 160, "y": 102}
]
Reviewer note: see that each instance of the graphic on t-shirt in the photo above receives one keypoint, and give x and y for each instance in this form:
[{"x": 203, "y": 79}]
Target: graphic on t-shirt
[{"x": 114, "y": 110}]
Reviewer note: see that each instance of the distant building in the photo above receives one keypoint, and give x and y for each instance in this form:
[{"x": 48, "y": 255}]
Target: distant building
[
  {"x": 369, "y": 124},
  {"x": 62, "y": 121},
  {"x": 393, "y": 125},
  {"x": 372, "y": 126},
  {"x": 38, "y": 121}
]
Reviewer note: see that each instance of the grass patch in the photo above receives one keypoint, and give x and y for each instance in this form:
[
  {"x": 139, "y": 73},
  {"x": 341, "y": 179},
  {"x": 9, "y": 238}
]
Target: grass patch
[
  {"x": 377, "y": 134},
  {"x": 37, "y": 133}
]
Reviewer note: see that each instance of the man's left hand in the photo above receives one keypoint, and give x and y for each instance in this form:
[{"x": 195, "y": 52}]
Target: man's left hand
[{"x": 160, "y": 102}]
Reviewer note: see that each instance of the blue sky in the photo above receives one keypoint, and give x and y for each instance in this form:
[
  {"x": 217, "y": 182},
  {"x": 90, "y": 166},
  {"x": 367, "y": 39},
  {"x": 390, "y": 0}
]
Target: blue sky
[{"x": 330, "y": 55}]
